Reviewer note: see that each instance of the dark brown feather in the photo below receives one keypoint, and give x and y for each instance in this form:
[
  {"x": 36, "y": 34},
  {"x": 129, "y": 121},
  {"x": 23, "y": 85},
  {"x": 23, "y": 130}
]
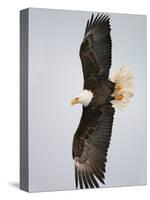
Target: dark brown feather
[
  {"x": 80, "y": 179},
  {"x": 89, "y": 180},
  {"x": 95, "y": 50},
  {"x": 92, "y": 152},
  {"x": 92, "y": 138},
  {"x": 85, "y": 180}
]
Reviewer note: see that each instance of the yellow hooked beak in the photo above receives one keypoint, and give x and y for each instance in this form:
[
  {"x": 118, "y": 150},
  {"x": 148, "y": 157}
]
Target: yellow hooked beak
[{"x": 75, "y": 101}]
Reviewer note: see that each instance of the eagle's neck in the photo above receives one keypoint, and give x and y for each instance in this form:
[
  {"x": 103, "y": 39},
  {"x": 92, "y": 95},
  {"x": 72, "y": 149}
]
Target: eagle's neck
[{"x": 86, "y": 97}]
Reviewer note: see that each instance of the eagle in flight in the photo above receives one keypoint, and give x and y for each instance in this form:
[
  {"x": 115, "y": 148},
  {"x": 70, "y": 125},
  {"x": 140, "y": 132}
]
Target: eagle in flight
[{"x": 99, "y": 97}]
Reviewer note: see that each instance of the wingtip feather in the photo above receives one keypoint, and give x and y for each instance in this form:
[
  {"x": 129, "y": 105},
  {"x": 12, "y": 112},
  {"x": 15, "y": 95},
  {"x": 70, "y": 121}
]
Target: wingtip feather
[{"x": 100, "y": 18}]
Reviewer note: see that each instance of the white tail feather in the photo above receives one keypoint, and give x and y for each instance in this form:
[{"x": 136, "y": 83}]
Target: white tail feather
[{"x": 123, "y": 78}]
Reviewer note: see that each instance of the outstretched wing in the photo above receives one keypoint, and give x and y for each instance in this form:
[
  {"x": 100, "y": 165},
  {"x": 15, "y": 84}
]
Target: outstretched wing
[
  {"x": 95, "y": 50},
  {"x": 90, "y": 146}
]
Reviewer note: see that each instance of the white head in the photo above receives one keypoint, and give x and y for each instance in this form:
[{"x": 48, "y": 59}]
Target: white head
[{"x": 84, "y": 98}]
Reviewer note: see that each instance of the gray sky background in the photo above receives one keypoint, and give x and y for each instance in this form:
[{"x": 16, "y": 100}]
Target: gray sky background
[{"x": 55, "y": 77}]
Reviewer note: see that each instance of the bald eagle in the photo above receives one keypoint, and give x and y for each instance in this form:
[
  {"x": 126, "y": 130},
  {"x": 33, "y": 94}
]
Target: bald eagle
[{"x": 99, "y": 97}]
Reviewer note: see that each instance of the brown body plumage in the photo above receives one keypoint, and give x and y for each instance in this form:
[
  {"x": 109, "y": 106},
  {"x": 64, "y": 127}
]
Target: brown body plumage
[{"x": 92, "y": 138}]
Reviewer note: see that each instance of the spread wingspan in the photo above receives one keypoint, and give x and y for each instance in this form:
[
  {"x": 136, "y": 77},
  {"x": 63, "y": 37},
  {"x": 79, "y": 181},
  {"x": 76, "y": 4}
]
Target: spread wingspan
[
  {"x": 92, "y": 138},
  {"x": 95, "y": 50},
  {"x": 90, "y": 146}
]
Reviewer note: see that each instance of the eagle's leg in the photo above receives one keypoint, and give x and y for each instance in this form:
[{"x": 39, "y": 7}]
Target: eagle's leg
[
  {"x": 117, "y": 87},
  {"x": 119, "y": 97}
]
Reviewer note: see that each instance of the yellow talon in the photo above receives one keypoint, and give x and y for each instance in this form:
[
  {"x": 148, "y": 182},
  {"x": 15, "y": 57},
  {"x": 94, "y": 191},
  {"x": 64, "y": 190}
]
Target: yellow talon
[
  {"x": 118, "y": 97},
  {"x": 117, "y": 87}
]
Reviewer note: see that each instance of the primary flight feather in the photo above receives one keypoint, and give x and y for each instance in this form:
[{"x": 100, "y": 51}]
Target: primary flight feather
[{"x": 99, "y": 95}]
